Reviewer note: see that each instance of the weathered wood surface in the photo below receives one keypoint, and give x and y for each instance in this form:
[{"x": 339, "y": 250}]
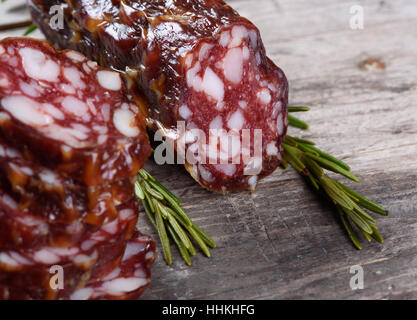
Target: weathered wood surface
[{"x": 284, "y": 242}]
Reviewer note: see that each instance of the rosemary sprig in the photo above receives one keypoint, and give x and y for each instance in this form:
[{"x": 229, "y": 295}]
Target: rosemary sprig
[
  {"x": 310, "y": 161},
  {"x": 164, "y": 211}
]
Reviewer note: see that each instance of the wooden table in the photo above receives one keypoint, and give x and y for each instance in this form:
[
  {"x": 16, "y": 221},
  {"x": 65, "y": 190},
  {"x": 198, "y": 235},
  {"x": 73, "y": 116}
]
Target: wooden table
[{"x": 284, "y": 242}]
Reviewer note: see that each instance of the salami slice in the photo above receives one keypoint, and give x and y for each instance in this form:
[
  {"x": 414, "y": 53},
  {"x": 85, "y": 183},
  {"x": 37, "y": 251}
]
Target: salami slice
[
  {"x": 96, "y": 255},
  {"x": 129, "y": 279},
  {"x": 197, "y": 62},
  {"x": 23, "y": 222},
  {"x": 41, "y": 192},
  {"x": 122, "y": 281},
  {"x": 69, "y": 114}
]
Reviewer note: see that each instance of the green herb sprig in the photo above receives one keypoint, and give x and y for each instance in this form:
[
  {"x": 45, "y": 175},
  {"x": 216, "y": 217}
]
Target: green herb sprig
[
  {"x": 310, "y": 161},
  {"x": 164, "y": 211}
]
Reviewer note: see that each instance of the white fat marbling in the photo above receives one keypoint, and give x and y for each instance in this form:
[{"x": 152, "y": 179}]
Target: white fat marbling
[
  {"x": 26, "y": 110},
  {"x": 38, "y": 66},
  {"x": 184, "y": 111},
  {"x": 233, "y": 65},
  {"x": 213, "y": 85},
  {"x": 109, "y": 80},
  {"x": 236, "y": 120},
  {"x": 124, "y": 121}
]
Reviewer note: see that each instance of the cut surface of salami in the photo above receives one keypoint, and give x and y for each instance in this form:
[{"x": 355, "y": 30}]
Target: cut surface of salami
[
  {"x": 20, "y": 228},
  {"x": 197, "y": 62},
  {"x": 124, "y": 279},
  {"x": 41, "y": 192},
  {"x": 71, "y": 144},
  {"x": 129, "y": 279},
  {"x": 69, "y": 114},
  {"x": 93, "y": 257}
]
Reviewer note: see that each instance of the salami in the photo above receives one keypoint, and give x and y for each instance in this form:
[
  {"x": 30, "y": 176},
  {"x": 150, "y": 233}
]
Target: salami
[
  {"x": 125, "y": 280},
  {"x": 129, "y": 279},
  {"x": 92, "y": 258},
  {"x": 203, "y": 69},
  {"x": 20, "y": 228},
  {"x": 41, "y": 192},
  {"x": 69, "y": 114},
  {"x": 71, "y": 143}
]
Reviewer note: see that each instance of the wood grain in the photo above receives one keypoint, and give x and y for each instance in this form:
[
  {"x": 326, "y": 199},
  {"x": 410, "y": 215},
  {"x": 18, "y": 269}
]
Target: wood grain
[{"x": 284, "y": 242}]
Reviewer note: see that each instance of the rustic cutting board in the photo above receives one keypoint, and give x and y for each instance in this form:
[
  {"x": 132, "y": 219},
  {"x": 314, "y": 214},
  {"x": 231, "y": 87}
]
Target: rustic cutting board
[{"x": 284, "y": 242}]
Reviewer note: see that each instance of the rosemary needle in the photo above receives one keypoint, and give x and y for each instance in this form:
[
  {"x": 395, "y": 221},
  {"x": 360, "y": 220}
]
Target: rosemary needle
[
  {"x": 295, "y": 122},
  {"x": 298, "y": 108},
  {"x": 324, "y": 155},
  {"x": 30, "y": 29},
  {"x": 171, "y": 222},
  {"x": 160, "y": 226},
  {"x": 310, "y": 161},
  {"x": 181, "y": 248}
]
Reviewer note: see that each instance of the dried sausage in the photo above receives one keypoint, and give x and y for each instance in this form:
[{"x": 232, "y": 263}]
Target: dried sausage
[
  {"x": 41, "y": 192},
  {"x": 128, "y": 280},
  {"x": 69, "y": 114},
  {"x": 198, "y": 62},
  {"x": 94, "y": 256}
]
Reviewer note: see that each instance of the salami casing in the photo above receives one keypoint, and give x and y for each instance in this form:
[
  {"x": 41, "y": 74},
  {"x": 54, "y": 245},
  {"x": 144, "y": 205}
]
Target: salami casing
[
  {"x": 203, "y": 69},
  {"x": 69, "y": 114}
]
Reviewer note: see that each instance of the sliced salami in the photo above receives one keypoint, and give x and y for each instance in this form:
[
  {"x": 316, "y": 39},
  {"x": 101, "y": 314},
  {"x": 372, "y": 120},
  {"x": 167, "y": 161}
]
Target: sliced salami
[
  {"x": 197, "y": 62},
  {"x": 95, "y": 256},
  {"x": 21, "y": 229},
  {"x": 69, "y": 114},
  {"x": 129, "y": 279},
  {"x": 41, "y": 192}
]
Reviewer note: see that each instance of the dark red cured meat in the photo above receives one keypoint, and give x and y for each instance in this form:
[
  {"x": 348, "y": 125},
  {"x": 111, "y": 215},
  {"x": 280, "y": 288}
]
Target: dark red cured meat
[
  {"x": 69, "y": 114},
  {"x": 21, "y": 229},
  {"x": 195, "y": 61},
  {"x": 7, "y": 293},
  {"x": 41, "y": 192},
  {"x": 129, "y": 279},
  {"x": 92, "y": 258}
]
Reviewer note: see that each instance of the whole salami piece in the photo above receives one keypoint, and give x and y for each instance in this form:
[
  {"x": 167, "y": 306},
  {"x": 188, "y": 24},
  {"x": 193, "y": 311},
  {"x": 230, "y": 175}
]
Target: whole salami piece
[
  {"x": 69, "y": 114},
  {"x": 204, "y": 71}
]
